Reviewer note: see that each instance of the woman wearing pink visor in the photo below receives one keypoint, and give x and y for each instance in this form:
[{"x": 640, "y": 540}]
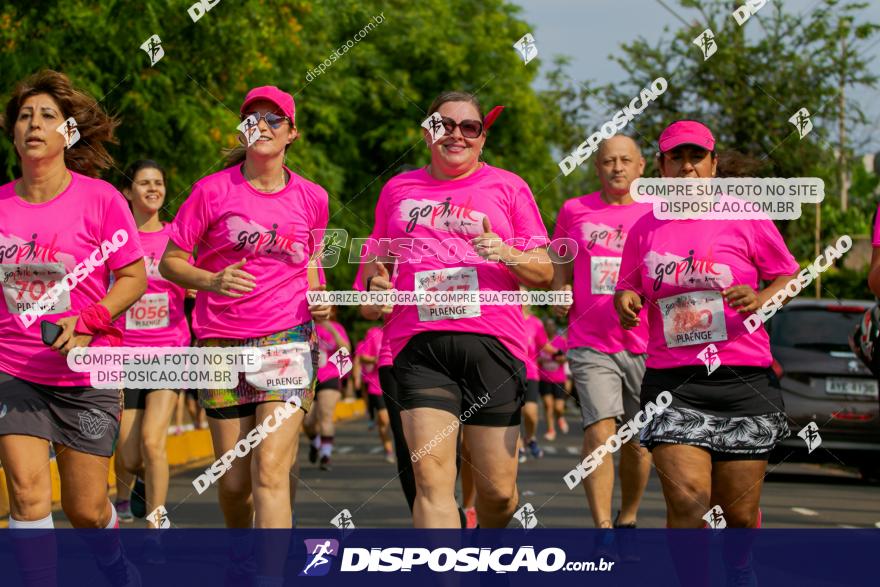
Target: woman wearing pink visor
[
  {"x": 700, "y": 279},
  {"x": 257, "y": 226},
  {"x": 460, "y": 364}
]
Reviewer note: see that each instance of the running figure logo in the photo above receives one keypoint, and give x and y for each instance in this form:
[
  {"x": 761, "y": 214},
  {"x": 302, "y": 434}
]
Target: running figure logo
[
  {"x": 320, "y": 553},
  {"x": 710, "y": 358},
  {"x": 715, "y": 518},
  {"x": 343, "y": 520},
  {"x": 332, "y": 244},
  {"x": 248, "y": 128},
  {"x": 153, "y": 48},
  {"x": 342, "y": 360},
  {"x": 526, "y": 516},
  {"x": 69, "y": 131},
  {"x": 527, "y": 48},
  {"x": 434, "y": 125},
  {"x": 706, "y": 42},
  {"x": 810, "y": 434},
  {"x": 159, "y": 518},
  {"x": 801, "y": 121}
]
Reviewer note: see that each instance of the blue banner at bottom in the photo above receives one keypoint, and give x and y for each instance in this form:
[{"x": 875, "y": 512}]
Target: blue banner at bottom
[{"x": 366, "y": 557}]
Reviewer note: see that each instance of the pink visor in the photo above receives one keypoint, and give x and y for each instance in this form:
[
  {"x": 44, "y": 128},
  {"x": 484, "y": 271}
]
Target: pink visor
[
  {"x": 283, "y": 100},
  {"x": 686, "y": 132}
]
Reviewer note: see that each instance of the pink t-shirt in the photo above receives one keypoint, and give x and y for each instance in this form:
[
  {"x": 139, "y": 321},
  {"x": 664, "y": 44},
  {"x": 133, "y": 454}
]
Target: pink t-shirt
[
  {"x": 385, "y": 358},
  {"x": 439, "y": 219},
  {"x": 157, "y": 319},
  {"x": 370, "y": 347},
  {"x": 327, "y": 346},
  {"x": 537, "y": 338},
  {"x": 600, "y": 230},
  {"x": 681, "y": 266},
  {"x": 876, "y": 240},
  {"x": 39, "y": 245},
  {"x": 549, "y": 368},
  {"x": 228, "y": 220}
]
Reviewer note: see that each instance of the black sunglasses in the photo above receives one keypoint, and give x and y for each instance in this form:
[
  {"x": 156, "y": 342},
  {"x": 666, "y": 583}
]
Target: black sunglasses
[
  {"x": 470, "y": 129},
  {"x": 272, "y": 119}
]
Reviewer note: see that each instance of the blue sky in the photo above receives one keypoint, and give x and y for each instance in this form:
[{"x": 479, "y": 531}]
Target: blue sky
[{"x": 589, "y": 30}]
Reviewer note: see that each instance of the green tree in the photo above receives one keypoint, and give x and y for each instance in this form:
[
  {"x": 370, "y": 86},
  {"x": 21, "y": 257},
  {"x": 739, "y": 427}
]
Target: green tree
[
  {"x": 359, "y": 119},
  {"x": 762, "y": 73}
]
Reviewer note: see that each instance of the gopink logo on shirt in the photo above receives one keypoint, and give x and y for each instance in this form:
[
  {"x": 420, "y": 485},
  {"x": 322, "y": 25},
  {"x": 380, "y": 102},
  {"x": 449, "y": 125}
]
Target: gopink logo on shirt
[
  {"x": 443, "y": 216},
  {"x": 691, "y": 271},
  {"x": 607, "y": 236},
  {"x": 14, "y": 249},
  {"x": 254, "y": 238}
]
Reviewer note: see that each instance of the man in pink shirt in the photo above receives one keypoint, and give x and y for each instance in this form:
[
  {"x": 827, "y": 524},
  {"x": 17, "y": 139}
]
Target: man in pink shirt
[{"x": 607, "y": 362}]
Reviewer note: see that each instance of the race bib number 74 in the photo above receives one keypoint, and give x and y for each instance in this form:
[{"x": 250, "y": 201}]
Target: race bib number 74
[{"x": 603, "y": 274}]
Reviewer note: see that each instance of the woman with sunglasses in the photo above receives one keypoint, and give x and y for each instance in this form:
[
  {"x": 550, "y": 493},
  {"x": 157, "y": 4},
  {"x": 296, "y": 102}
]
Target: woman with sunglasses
[
  {"x": 257, "y": 226},
  {"x": 459, "y": 363},
  {"x": 54, "y": 221},
  {"x": 700, "y": 279}
]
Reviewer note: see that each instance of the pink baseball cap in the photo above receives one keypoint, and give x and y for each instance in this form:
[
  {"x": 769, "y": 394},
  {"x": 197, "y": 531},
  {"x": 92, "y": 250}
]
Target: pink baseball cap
[
  {"x": 686, "y": 132},
  {"x": 282, "y": 99}
]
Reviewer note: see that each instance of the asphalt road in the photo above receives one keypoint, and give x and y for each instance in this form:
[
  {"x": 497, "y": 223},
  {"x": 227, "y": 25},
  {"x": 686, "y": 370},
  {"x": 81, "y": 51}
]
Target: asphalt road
[{"x": 795, "y": 495}]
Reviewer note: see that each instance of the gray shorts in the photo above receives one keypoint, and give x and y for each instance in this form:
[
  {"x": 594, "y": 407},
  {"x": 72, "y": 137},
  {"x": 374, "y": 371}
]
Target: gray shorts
[
  {"x": 607, "y": 384},
  {"x": 82, "y": 418}
]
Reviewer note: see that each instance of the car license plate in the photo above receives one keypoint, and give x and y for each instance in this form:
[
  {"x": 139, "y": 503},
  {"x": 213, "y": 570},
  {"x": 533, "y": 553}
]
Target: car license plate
[{"x": 845, "y": 386}]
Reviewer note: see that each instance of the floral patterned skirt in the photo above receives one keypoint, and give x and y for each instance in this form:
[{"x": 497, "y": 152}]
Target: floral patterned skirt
[{"x": 736, "y": 412}]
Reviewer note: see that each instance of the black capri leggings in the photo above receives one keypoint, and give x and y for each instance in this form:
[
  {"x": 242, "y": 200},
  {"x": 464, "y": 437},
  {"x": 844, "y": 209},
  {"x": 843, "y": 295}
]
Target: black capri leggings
[{"x": 404, "y": 464}]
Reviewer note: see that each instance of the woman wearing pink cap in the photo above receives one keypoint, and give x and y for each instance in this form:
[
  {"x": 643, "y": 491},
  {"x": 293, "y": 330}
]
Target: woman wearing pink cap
[
  {"x": 63, "y": 233},
  {"x": 256, "y": 225},
  {"x": 700, "y": 279},
  {"x": 460, "y": 363}
]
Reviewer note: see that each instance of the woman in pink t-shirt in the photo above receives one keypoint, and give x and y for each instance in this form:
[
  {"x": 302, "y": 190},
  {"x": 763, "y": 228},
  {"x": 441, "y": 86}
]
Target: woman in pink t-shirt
[
  {"x": 552, "y": 377},
  {"x": 700, "y": 279},
  {"x": 537, "y": 340},
  {"x": 461, "y": 362},
  {"x": 366, "y": 371},
  {"x": 319, "y": 425},
  {"x": 157, "y": 319},
  {"x": 62, "y": 234},
  {"x": 257, "y": 226}
]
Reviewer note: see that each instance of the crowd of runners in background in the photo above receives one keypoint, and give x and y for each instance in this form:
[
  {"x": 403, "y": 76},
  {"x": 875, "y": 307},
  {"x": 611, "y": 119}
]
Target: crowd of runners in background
[{"x": 233, "y": 267}]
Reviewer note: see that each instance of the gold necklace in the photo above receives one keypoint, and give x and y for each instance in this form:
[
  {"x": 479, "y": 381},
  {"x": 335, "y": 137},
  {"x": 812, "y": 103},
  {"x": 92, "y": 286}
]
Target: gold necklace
[
  {"x": 55, "y": 192},
  {"x": 282, "y": 183}
]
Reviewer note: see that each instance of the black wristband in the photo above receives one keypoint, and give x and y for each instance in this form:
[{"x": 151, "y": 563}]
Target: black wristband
[{"x": 369, "y": 281}]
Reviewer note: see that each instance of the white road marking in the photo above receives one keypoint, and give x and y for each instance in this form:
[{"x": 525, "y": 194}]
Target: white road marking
[
  {"x": 573, "y": 450},
  {"x": 805, "y": 511},
  {"x": 847, "y": 526},
  {"x": 550, "y": 450},
  {"x": 344, "y": 450},
  {"x": 375, "y": 450}
]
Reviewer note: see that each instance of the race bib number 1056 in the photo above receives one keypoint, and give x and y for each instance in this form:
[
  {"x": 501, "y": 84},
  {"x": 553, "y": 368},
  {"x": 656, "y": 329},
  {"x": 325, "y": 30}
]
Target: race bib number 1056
[{"x": 149, "y": 312}]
